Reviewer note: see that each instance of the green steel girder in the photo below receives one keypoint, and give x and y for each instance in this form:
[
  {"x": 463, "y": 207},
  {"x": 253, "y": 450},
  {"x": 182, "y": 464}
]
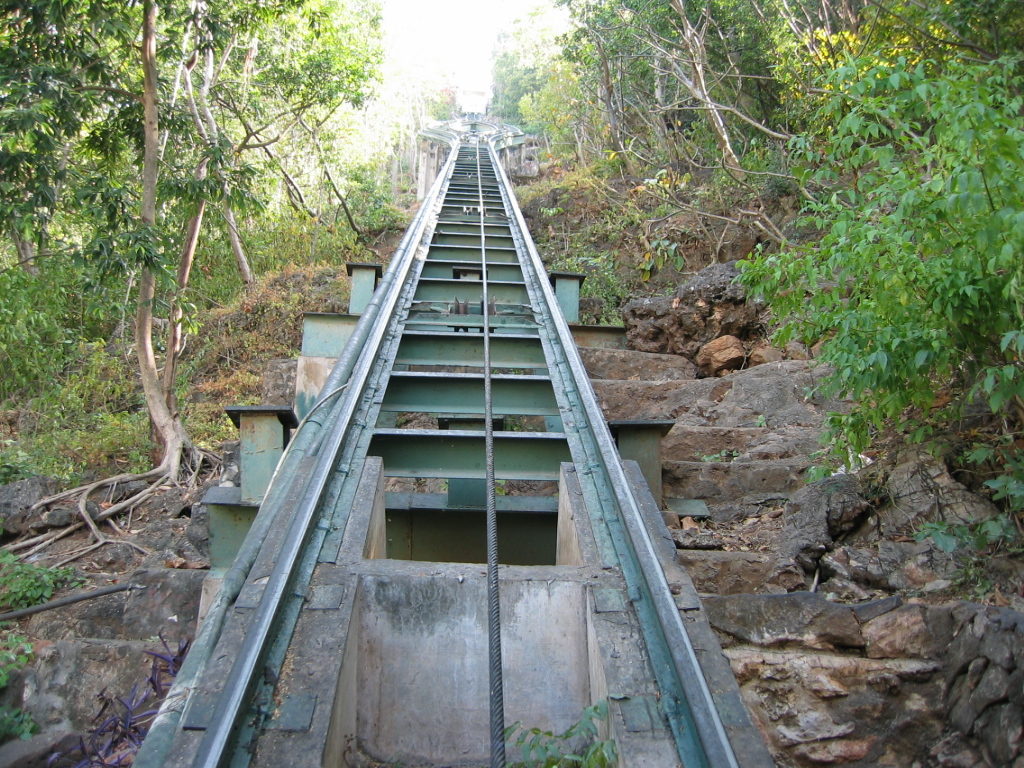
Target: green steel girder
[
  {"x": 451, "y": 268},
  {"x": 324, "y": 333},
  {"x": 516, "y": 323},
  {"x": 471, "y": 253},
  {"x": 449, "y": 453},
  {"x": 449, "y": 226},
  {"x": 472, "y": 238},
  {"x": 440, "y": 289},
  {"x": 463, "y": 393},
  {"x": 466, "y": 349}
]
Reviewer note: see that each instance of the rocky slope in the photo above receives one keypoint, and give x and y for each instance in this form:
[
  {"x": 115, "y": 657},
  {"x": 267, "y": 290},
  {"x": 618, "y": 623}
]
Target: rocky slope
[{"x": 837, "y": 621}]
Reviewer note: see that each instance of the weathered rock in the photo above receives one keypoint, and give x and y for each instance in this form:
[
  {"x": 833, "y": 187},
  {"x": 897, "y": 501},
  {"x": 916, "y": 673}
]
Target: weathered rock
[
  {"x": 719, "y": 481},
  {"x": 167, "y": 605},
  {"x": 804, "y": 618},
  {"x": 890, "y": 565},
  {"x": 728, "y": 573},
  {"x": 817, "y": 514},
  {"x": 820, "y": 708},
  {"x": 726, "y": 353},
  {"x": 914, "y": 631},
  {"x": 771, "y": 396},
  {"x": 278, "y": 383},
  {"x": 629, "y": 364},
  {"x": 985, "y": 679},
  {"x": 35, "y": 752},
  {"x": 796, "y": 350},
  {"x": 68, "y": 677},
  {"x": 764, "y": 353},
  {"x": 710, "y": 305},
  {"x": 18, "y": 497},
  {"x": 920, "y": 489}
]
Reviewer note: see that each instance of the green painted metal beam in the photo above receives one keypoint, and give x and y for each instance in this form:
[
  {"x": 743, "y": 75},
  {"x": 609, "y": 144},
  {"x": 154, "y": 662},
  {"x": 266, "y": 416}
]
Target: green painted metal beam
[
  {"x": 364, "y": 283},
  {"x": 471, "y": 253},
  {"x": 454, "y": 268},
  {"x": 463, "y": 393},
  {"x": 466, "y": 349},
  {"x": 449, "y": 453},
  {"x": 324, "y": 333},
  {"x": 440, "y": 289}
]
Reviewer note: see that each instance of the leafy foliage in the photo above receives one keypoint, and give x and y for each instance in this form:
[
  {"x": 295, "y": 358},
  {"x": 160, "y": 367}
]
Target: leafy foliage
[
  {"x": 15, "y": 653},
  {"x": 578, "y": 745},
  {"x": 23, "y": 585},
  {"x": 917, "y": 283}
]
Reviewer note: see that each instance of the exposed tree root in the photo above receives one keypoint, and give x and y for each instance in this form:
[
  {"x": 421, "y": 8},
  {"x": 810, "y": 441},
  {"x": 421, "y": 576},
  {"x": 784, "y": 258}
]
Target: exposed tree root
[{"x": 183, "y": 470}]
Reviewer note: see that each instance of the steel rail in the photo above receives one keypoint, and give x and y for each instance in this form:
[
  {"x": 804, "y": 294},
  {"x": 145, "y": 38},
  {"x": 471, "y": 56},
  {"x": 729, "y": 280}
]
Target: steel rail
[
  {"x": 714, "y": 749},
  {"x": 496, "y": 685},
  {"x": 356, "y": 363}
]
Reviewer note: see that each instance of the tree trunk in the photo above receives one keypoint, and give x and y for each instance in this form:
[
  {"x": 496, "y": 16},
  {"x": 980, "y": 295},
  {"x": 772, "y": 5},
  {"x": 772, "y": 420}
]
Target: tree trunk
[
  {"x": 174, "y": 345},
  {"x": 168, "y": 430},
  {"x": 236, "y": 244},
  {"x": 26, "y": 252},
  {"x": 697, "y": 84}
]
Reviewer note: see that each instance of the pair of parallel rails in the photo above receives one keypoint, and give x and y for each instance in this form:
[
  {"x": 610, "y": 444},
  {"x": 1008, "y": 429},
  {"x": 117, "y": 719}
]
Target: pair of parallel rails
[{"x": 465, "y": 277}]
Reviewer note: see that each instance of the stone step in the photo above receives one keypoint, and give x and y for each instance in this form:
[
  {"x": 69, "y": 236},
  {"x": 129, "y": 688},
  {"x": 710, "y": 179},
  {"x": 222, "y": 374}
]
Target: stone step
[
  {"x": 718, "y": 572},
  {"x": 628, "y": 364},
  {"x": 770, "y": 395},
  {"x": 722, "y": 482},
  {"x": 698, "y": 443}
]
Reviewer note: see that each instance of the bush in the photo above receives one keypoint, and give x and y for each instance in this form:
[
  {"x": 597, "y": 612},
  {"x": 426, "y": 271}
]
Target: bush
[
  {"x": 917, "y": 284},
  {"x": 23, "y": 585}
]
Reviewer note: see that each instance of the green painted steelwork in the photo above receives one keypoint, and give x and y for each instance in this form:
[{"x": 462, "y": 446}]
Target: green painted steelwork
[
  {"x": 472, "y": 253},
  {"x": 324, "y": 334},
  {"x": 364, "y": 283},
  {"x": 263, "y": 433},
  {"x": 463, "y": 393},
  {"x": 439, "y": 289},
  {"x": 639, "y": 440},
  {"x": 451, "y": 268},
  {"x": 449, "y": 453},
  {"x": 567, "y": 291},
  {"x": 457, "y": 536},
  {"x": 229, "y": 520},
  {"x": 465, "y": 349}
]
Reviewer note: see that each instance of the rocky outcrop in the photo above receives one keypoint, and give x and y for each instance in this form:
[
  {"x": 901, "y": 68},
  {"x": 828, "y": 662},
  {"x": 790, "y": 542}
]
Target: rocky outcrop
[
  {"x": 878, "y": 683},
  {"x": 17, "y": 498},
  {"x": 710, "y": 305}
]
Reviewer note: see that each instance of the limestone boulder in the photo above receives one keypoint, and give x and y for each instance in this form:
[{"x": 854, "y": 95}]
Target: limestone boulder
[
  {"x": 17, "y": 498},
  {"x": 816, "y": 514},
  {"x": 797, "y": 618},
  {"x": 632, "y": 365},
  {"x": 726, "y": 353},
  {"x": 920, "y": 489},
  {"x": 710, "y": 305}
]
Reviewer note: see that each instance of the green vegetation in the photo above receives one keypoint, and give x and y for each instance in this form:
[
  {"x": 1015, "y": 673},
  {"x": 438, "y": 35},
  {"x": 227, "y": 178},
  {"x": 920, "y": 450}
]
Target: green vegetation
[
  {"x": 579, "y": 745},
  {"x": 867, "y": 159},
  {"x": 120, "y": 236},
  {"x": 15, "y": 653},
  {"x": 23, "y": 585},
  {"x": 917, "y": 283}
]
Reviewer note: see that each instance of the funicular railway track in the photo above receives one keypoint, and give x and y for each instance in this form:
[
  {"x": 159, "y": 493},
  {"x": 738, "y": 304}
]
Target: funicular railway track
[{"x": 351, "y": 631}]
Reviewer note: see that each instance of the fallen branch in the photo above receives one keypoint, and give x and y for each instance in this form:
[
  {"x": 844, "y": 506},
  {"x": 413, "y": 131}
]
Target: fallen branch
[{"x": 67, "y": 600}]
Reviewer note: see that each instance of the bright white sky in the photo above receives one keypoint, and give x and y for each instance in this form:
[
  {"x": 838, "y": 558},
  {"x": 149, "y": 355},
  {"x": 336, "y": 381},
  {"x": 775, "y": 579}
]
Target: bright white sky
[{"x": 449, "y": 41}]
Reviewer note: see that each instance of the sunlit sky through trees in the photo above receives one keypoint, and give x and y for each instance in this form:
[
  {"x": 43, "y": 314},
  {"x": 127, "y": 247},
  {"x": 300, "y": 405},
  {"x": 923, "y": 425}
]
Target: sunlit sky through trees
[{"x": 450, "y": 41}]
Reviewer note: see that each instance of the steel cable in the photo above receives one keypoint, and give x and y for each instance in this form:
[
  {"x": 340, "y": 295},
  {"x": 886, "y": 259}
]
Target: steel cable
[{"x": 497, "y": 695}]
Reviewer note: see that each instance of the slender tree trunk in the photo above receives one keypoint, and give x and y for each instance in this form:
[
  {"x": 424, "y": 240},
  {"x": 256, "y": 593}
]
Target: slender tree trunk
[
  {"x": 697, "y": 83},
  {"x": 175, "y": 338},
  {"x": 168, "y": 430},
  {"x": 26, "y": 252},
  {"x": 236, "y": 244}
]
